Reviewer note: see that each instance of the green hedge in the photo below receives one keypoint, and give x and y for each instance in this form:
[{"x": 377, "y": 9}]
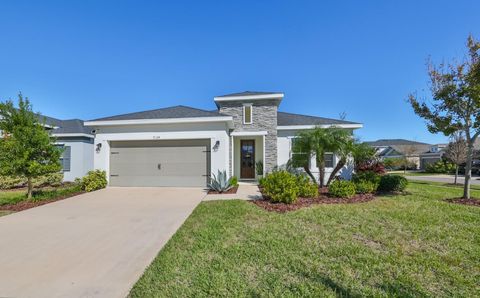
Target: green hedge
[
  {"x": 8, "y": 182},
  {"x": 364, "y": 187},
  {"x": 306, "y": 187},
  {"x": 281, "y": 187},
  {"x": 94, "y": 180},
  {"x": 342, "y": 189},
  {"x": 389, "y": 183}
]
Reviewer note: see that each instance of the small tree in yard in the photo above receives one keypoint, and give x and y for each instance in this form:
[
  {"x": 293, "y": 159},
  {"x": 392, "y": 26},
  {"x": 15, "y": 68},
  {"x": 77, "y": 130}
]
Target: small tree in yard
[
  {"x": 455, "y": 107},
  {"x": 26, "y": 148},
  {"x": 456, "y": 151}
]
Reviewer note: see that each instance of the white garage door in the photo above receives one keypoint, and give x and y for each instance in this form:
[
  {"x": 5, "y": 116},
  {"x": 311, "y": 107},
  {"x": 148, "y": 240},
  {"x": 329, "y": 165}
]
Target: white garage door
[{"x": 159, "y": 163}]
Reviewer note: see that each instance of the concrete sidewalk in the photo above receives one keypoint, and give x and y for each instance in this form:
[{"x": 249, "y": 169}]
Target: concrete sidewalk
[
  {"x": 246, "y": 191},
  {"x": 443, "y": 179},
  {"x": 93, "y": 245}
]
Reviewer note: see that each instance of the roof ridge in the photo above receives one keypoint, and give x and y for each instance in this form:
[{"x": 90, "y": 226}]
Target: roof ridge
[{"x": 326, "y": 118}]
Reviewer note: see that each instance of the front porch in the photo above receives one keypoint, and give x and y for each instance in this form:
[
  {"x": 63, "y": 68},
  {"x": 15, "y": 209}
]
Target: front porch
[{"x": 248, "y": 154}]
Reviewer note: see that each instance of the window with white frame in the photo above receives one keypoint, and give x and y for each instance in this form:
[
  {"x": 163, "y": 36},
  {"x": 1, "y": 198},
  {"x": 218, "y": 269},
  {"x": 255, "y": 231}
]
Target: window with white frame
[
  {"x": 329, "y": 160},
  {"x": 65, "y": 157},
  {"x": 298, "y": 157},
  {"x": 247, "y": 114}
]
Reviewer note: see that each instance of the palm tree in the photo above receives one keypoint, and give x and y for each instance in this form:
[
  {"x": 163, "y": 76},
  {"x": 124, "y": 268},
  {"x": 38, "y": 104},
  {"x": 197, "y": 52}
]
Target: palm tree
[
  {"x": 316, "y": 143},
  {"x": 345, "y": 146}
]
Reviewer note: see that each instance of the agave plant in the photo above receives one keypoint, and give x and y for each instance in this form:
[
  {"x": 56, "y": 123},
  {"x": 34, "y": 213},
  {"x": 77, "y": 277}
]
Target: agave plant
[{"x": 220, "y": 182}]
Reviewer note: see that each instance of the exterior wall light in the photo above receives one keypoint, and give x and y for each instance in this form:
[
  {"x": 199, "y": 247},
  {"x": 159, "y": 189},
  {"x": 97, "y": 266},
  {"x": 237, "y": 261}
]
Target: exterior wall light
[
  {"x": 99, "y": 147},
  {"x": 217, "y": 144}
]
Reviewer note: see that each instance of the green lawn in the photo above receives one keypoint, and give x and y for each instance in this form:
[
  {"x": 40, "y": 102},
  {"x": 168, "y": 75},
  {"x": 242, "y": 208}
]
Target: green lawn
[
  {"x": 411, "y": 245},
  {"x": 16, "y": 196}
]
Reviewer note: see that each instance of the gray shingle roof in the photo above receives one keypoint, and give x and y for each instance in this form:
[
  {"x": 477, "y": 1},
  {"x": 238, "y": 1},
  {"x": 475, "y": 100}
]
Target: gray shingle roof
[
  {"x": 394, "y": 142},
  {"x": 72, "y": 126},
  {"x": 285, "y": 119},
  {"x": 64, "y": 126},
  {"x": 164, "y": 113},
  {"x": 248, "y": 93}
]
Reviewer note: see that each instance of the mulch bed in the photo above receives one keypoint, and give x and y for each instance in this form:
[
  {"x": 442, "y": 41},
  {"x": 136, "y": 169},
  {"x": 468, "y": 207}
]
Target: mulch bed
[
  {"x": 469, "y": 202},
  {"x": 24, "y": 205},
  {"x": 306, "y": 202},
  {"x": 232, "y": 190}
]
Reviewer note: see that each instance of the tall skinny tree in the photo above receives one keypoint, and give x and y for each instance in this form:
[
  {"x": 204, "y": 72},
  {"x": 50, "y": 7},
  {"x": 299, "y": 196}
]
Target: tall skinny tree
[
  {"x": 26, "y": 148},
  {"x": 456, "y": 151},
  {"x": 455, "y": 102}
]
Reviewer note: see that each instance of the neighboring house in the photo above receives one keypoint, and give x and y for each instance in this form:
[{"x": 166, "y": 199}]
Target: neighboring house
[
  {"x": 182, "y": 146},
  {"x": 419, "y": 153},
  {"x": 77, "y": 142}
]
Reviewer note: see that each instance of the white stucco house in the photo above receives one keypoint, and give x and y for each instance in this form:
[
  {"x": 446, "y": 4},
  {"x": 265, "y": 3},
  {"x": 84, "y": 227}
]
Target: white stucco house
[
  {"x": 182, "y": 146},
  {"x": 77, "y": 141}
]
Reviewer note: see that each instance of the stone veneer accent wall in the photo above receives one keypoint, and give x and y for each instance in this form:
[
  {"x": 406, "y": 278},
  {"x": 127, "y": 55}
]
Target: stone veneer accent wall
[{"x": 264, "y": 119}]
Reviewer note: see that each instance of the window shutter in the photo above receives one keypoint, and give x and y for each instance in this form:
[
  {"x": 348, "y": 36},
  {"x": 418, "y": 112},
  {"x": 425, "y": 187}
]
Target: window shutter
[{"x": 66, "y": 158}]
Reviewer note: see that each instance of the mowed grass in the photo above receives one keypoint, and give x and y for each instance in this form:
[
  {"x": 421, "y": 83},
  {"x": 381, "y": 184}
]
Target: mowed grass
[{"x": 413, "y": 245}]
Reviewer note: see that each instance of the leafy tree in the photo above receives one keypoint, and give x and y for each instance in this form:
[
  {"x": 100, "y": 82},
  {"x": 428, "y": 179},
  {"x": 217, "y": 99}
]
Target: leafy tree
[
  {"x": 26, "y": 148},
  {"x": 456, "y": 151},
  {"x": 455, "y": 102}
]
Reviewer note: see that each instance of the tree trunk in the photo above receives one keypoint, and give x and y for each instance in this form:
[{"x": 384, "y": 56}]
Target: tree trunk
[
  {"x": 337, "y": 168},
  {"x": 456, "y": 174},
  {"x": 29, "y": 188},
  {"x": 321, "y": 173},
  {"x": 309, "y": 173},
  {"x": 468, "y": 170},
  {"x": 319, "y": 159}
]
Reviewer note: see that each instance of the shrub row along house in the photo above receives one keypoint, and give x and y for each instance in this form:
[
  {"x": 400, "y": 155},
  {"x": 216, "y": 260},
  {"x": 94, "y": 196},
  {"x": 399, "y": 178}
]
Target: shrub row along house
[
  {"x": 246, "y": 136},
  {"x": 418, "y": 154}
]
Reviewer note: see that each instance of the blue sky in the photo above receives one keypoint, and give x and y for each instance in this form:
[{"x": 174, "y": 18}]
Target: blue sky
[{"x": 87, "y": 59}]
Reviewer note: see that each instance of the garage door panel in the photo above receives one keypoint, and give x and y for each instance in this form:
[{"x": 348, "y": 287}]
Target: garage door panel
[
  {"x": 152, "y": 181},
  {"x": 159, "y": 163}
]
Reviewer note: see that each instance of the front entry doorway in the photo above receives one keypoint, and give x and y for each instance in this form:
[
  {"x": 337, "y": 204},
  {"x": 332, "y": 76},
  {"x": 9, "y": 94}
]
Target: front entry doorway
[{"x": 247, "y": 159}]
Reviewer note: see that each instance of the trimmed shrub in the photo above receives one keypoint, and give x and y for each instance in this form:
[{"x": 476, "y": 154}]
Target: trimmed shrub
[
  {"x": 53, "y": 179},
  {"x": 94, "y": 180},
  {"x": 281, "y": 187},
  {"x": 234, "y": 181},
  {"x": 364, "y": 186},
  {"x": 7, "y": 182},
  {"x": 342, "y": 189},
  {"x": 369, "y": 176},
  {"x": 261, "y": 181},
  {"x": 376, "y": 167},
  {"x": 440, "y": 167},
  {"x": 390, "y": 183},
  {"x": 306, "y": 187}
]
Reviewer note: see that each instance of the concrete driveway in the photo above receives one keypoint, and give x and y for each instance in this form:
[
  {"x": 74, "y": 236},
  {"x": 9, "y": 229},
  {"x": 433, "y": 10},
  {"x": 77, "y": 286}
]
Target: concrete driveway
[{"x": 93, "y": 245}]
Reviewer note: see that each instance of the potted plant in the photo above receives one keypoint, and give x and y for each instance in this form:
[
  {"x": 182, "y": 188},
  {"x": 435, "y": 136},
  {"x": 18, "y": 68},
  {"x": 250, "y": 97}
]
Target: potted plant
[{"x": 259, "y": 168}]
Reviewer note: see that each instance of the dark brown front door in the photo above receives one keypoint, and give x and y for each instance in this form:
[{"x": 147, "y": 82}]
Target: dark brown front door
[{"x": 247, "y": 159}]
